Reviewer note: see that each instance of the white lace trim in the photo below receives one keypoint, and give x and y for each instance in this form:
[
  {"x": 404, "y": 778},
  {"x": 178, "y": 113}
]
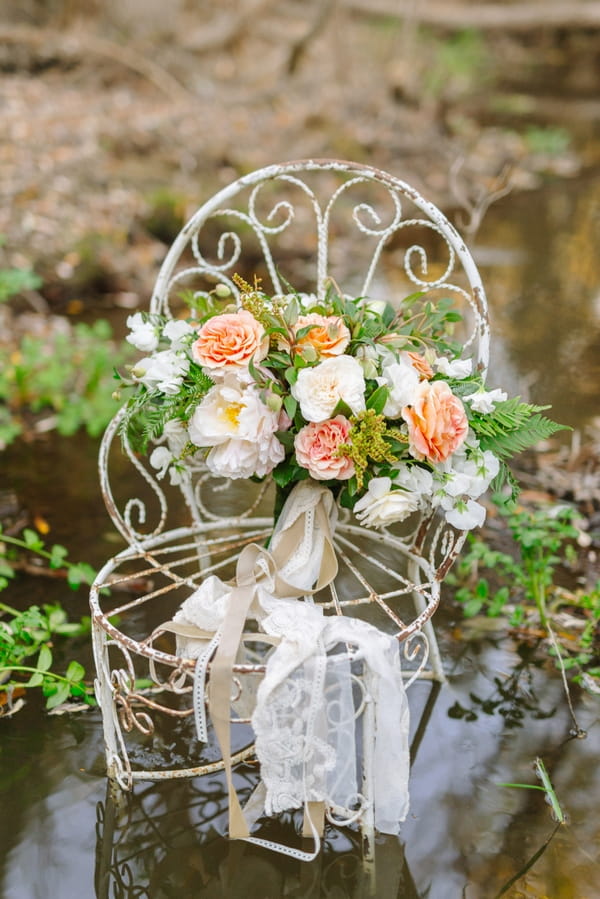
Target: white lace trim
[{"x": 305, "y": 718}]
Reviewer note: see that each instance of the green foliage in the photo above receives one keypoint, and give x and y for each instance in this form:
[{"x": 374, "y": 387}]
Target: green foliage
[
  {"x": 512, "y": 427},
  {"x": 31, "y": 633},
  {"x": 69, "y": 375},
  {"x": 549, "y": 141},
  {"x": 15, "y": 280},
  {"x": 457, "y": 64},
  {"x": 522, "y": 585}
]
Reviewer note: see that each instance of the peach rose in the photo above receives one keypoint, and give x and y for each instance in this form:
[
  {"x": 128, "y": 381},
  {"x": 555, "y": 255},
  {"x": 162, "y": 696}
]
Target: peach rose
[
  {"x": 316, "y": 448},
  {"x": 329, "y": 335},
  {"x": 437, "y": 422},
  {"x": 420, "y": 365},
  {"x": 230, "y": 341}
]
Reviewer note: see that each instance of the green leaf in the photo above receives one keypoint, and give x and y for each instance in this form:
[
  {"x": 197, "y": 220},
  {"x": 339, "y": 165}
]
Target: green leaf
[
  {"x": 290, "y": 405},
  {"x": 75, "y": 672},
  {"x": 36, "y": 679},
  {"x": 378, "y": 399},
  {"x": 78, "y": 574},
  {"x": 289, "y": 471},
  {"x": 291, "y": 311},
  {"x": 59, "y": 695},
  {"x": 32, "y": 540},
  {"x": 58, "y": 554},
  {"x": 44, "y": 661}
]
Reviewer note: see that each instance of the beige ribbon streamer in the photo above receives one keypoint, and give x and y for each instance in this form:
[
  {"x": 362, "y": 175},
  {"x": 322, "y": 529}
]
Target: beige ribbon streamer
[{"x": 254, "y": 565}]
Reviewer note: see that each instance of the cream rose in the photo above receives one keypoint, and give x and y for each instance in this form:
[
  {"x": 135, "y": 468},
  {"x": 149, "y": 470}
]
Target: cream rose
[
  {"x": 317, "y": 446},
  {"x": 328, "y": 334},
  {"x": 233, "y": 420},
  {"x": 228, "y": 342},
  {"x": 381, "y": 505},
  {"x": 319, "y": 389},
  {"x": 437, "y": 422}
]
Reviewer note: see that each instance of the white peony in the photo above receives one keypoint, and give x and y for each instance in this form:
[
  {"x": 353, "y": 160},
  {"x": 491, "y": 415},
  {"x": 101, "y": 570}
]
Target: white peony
[
  {"x": 402, "y": 381},
  {"x": 381, "y": 505},
  {"x": 143, "y": 335},
  {"x": 163, "y": 371},
  {"x": 318, "y": 390},
  {"x": 485, "y": 400},
  {"x": 458, "y": 368},
  {"x": 233, "y": 420}
]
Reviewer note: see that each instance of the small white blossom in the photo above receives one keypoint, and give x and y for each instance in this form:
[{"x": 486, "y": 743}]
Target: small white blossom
[
  {"x": 160, "y": 459},
  {"x": 163, "y": 371},
  {"x": 458, "y": 368},
  {"x": 466, "y": 515},
  {"x": 143, "y": 335},
  {"x": 175, "y": 331},
  {"x": 484, "y": 400},
  {"x": 462, "y": 479},
  {"x": 319, "y": 389},
  {"x": 416, "y": 479},
  {"x": 402, "y": 381}
]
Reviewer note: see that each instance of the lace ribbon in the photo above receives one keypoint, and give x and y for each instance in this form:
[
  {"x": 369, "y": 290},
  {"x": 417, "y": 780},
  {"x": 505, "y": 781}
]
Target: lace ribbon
[{"x": 304, "y": 714}]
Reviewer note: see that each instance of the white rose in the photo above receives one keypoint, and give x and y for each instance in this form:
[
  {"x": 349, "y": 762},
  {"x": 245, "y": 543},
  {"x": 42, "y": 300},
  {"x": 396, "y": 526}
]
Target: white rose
[
  {"x": 381, "y": 505},
  {"x": 143, "y": 335},
  {"x": 320, "y": 389},
  {"x": 458, "y": 368},
  {"x": 163, "y": 371},
  {"x": 402, "y": 381},
  {"x": 484, "y": 400},
  {"x": 233, "y": 420}
]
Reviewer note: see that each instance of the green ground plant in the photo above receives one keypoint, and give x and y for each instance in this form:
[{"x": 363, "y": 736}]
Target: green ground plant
[
  {"x": 27, "y": 637},
  {"x": 523, "y": 586},
  {"x": 66, "y": 375}
]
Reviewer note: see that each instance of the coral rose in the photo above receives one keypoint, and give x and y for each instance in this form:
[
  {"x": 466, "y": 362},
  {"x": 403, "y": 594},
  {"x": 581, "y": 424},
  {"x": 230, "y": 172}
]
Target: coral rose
[
  {"x": 328, "y": 334},
  {"x": 437, "y": 422},
  {"x": 230, "y": 341},
  {"x": 317, "y": 445}
]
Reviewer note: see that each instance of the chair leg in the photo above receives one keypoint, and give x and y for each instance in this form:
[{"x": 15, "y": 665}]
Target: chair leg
[{"x": 117, "y": 763}]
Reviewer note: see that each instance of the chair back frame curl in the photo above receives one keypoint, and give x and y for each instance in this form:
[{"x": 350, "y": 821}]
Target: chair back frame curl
[{"x": 309, "y": 212}]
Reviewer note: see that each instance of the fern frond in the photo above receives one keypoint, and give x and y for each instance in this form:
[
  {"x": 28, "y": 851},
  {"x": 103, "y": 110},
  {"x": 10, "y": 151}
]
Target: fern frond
[{"x": 512, "y": 427}]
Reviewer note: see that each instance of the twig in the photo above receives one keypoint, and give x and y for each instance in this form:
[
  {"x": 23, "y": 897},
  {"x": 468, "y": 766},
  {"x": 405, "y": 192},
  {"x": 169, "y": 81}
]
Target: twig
[
  {"x": 298, "y": 49},
  {"x": 477, "y": 207},
  {"x": 82, "y": 44},
  {"x": 489, "y": 16}
]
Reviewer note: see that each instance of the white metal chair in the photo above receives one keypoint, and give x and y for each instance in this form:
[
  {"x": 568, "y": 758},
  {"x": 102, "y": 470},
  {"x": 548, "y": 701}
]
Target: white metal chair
[{"x": 303, "y": 223}]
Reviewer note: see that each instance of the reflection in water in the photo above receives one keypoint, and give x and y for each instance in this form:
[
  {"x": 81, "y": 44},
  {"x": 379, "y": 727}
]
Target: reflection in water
[
  {"x": 513, "y": 697},
  {"x": 165, "y": 841},
  {"x": 545, "y": 303}
]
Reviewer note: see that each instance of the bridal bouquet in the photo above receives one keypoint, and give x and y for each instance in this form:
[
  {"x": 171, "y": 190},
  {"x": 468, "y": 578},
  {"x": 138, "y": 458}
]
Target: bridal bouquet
[{"x": 375, "y": 401}]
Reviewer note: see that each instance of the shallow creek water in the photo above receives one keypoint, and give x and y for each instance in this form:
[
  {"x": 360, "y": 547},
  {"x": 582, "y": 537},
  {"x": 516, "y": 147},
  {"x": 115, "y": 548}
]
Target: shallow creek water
[{"x": 465, "y": 836}]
